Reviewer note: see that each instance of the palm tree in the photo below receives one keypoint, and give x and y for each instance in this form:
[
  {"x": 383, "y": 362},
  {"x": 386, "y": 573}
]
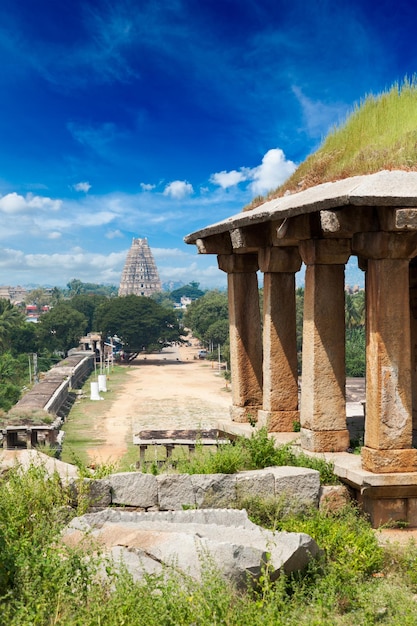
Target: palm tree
[
  {"x": 355, "y": 310},
  {"x": 10, "y": 317}
]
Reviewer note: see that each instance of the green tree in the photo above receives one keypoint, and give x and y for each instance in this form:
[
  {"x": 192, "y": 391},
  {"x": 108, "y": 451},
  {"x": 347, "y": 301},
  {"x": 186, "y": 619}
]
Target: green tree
[
  {"x": 192, "y": 290},
  {"x": 61, "y": 328},
  {"x": 23, "y": 339},
  {"x": 10, "y": 319},
  {"x": 206, "y": 311},
  {"x": 38, "y": 296},
  {"x": 355, "y": 310},
  {"x": 140, "y": 322},
  {"x": 87, "y": 305},
  {"x": 76, "y": 287}
]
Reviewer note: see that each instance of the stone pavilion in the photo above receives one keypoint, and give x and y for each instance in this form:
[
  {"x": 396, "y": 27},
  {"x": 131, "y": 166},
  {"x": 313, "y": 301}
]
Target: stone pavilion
[{"x": 371, "y": 217}]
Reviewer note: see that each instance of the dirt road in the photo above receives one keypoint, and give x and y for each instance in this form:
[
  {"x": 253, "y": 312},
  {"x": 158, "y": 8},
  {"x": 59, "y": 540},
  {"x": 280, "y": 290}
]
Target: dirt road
[{"x": 167, "y": 390}]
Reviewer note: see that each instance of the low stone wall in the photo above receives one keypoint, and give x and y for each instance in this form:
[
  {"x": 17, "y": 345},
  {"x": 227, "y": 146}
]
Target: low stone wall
[
  {"x": 51, "y": 393},
  {"x": 298, "y": 487}
]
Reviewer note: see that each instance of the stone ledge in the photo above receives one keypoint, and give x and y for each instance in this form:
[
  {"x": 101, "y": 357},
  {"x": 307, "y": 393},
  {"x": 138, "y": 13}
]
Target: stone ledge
[{"x": 173, "y": 492}]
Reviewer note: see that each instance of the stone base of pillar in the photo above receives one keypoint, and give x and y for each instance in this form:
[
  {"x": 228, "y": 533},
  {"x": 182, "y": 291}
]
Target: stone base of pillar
[
  {"x": 244, "y": 414},
  {"x": 324, "y": 440},
  {"x": 387, "y": 461},
  {"x": 278, "y": 421}
]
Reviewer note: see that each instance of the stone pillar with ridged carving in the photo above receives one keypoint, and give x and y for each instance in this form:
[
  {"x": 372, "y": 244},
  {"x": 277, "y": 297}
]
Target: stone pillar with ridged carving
[
  {"x": 280, "y": 378},
  {"x": 388, "y": 426},
  {"x": 245, "y": 334},
  {"x": 323, "y": 396}
]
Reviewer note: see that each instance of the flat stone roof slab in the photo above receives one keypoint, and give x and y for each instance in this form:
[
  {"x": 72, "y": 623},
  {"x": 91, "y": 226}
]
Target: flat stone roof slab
[{"x": 396, "y": 188}]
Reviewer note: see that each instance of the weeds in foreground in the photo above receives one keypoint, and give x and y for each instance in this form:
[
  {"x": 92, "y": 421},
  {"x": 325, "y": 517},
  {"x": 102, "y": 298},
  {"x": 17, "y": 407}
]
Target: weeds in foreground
[
  {"x": 44, "y": 582},
  {"x": 246, "y": 453}
]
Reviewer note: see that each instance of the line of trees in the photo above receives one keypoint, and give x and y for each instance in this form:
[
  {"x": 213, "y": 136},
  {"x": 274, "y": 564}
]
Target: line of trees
[{"x": 141, "y": 324}]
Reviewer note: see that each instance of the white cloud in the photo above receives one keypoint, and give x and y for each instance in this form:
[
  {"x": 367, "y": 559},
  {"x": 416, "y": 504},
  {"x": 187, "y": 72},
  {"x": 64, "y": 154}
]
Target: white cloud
[
  {"x": 114, "y": 234},
  {"x": 147, "y": 186},
  {"x": 272, "y": 172},
  {"x": 178, "y": 189},
  {"x": 83, "y": 186},
  {"x": 13, "y": 203},
  {"x": 54, "y": 235},
  {"x": 318, "y": 116},
  {"x": 229, "y": 179}
]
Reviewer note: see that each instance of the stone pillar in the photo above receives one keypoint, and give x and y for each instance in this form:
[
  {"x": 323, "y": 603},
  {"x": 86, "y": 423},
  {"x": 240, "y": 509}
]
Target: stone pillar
[
  {"x": 413, "y": 330},
  {"x": 388, "y": 426},
  {"x": 323, "y": 396},
  {"x": 245, "y": 334},
  {"x": 280, "y": 378}
]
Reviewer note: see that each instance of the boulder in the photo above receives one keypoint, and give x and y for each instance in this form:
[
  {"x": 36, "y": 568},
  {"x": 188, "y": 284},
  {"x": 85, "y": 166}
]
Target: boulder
[{"x": 147, "y": 543}]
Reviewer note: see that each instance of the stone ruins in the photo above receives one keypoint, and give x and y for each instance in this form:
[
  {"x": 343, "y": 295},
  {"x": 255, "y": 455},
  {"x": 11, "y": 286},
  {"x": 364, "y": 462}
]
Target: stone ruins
[
  {"x": 374, "y": 218},
  {"x": 140, "y": 275}
]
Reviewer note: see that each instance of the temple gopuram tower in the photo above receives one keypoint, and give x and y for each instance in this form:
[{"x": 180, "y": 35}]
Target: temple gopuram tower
[{"x": 140, "y": 274}]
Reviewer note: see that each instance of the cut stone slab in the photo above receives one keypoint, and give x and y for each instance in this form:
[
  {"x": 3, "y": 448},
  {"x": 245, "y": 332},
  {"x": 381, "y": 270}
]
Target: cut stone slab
[
  {"x": 214, "y": 490},
  {"x": 134, "y": 489},
  {"x": 186, "y": 540},
  {"x": 175, "y": 491}
]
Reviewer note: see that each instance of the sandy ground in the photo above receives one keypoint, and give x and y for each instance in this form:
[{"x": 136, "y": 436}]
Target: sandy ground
[{"x": 163, "y": 391}]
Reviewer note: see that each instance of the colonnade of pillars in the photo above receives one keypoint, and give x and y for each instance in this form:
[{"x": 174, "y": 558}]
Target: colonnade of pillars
[{"x": 264, "y": 363}]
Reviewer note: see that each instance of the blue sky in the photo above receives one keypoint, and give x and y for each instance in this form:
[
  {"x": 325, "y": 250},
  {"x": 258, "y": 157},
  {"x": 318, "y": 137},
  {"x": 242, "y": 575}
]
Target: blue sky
[{"x": 134, "y": 118}]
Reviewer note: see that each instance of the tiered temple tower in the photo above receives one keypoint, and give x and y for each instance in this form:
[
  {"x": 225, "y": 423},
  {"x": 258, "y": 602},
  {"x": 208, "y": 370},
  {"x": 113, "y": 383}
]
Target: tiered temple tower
[{"x": 140, "y": 274}]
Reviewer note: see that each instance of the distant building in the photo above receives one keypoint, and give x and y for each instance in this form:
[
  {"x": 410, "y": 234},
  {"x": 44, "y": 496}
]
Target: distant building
[
  {"x": 14, "y": 294},
  {"x": 140, "y": 274}
]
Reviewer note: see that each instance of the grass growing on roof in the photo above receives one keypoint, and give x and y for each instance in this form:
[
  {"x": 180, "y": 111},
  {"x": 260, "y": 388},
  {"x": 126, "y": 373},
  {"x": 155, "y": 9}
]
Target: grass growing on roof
[{"x": 379, "y": 134}]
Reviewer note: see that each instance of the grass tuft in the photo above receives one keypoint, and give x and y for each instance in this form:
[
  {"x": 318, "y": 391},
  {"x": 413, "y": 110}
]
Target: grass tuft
[{"x": 379, "y": 134}]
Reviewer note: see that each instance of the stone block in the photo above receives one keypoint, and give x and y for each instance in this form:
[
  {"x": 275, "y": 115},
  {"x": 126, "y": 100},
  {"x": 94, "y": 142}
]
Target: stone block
[
  {"x": 385, "y": 510},
  {"x": 96, "y": 492},
  {"x": 255, "y": 483},
  {"x": 178, "y": 540},
  {"x": 278, "y": 421},
  {"x": 333, "y": 498},
  {"x": 134, "y": 489},
  {"x": 300, "y": 485},
  {"x": 214, "y": 490},
  {"x": 412, "y": 512},
  {"x": 324, "y": 440},
  {"x": 244, "y": 414},
  {"x": 175, "y": 491},
  {"x": 389, "y": 461}
]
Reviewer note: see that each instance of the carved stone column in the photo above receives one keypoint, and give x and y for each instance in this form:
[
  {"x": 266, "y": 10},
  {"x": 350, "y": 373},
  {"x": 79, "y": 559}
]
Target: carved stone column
[
  {"x": 323, "y": 397},
  {"x": 245, "y": 334},
  {"x": 280, "y": 377},
  {"x": 388, "y": 426},
  {"x": 413, "y": 340}
]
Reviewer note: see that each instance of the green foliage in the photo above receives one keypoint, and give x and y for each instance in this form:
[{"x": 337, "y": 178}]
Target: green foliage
[
  {"x": 10, "y": 319},
  {"x": 61, "y": 328},
  {"x": 191, "y": 290},
  {"x": 76, "y": 287},
  {"x": 43, "y": 581},
  {"x": 206, "y": 311},
  {"x": 249, "y": 453},
  {"x": 23, "y": 338},
  {"x": 87, "y": 305},
  {"x": 355, "y": 352},
  {"x": 355, "y": 332},
  {"x": 139, "y": 322}
]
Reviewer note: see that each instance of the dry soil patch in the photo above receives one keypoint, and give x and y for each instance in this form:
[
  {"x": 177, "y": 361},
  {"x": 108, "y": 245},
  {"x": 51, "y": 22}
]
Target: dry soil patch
[{"x": 163, "y": 391}]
